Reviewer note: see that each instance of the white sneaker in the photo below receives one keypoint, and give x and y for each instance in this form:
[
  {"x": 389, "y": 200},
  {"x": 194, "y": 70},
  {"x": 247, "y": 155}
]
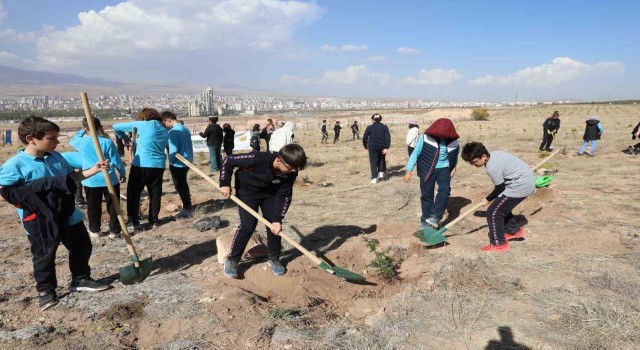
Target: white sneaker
[
  {"x": 373, "y": 181},
  {"x": 114, "y": 235},
  {"x": 433, "y": 222},
  {"x": 381, "y": 176},
  {"x": 94, "y": 234}
]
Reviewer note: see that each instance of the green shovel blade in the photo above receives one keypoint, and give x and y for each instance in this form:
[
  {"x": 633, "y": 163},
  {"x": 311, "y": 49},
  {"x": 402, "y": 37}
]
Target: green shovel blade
[
  {"x": 131, "y": 274},
  {"x": 431, "y": 236},
  {"x": 342, "y": 273},
  {"x": 543, "y": 181}
]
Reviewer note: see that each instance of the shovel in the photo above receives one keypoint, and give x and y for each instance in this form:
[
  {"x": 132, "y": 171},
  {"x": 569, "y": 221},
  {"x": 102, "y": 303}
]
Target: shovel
[
  {"x": 432, "y": 236},
  {"x": 139, "y": 270},
  {"x": 337, "y": 271}
]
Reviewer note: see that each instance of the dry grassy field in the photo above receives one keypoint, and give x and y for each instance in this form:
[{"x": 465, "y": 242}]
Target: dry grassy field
[{"x": 573, "y": 283}]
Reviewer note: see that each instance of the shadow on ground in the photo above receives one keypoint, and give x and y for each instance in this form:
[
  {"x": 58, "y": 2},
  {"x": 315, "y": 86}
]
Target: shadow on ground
[
  {"x": 325, "y": 239},
  {"x": 506, "y": 341}
]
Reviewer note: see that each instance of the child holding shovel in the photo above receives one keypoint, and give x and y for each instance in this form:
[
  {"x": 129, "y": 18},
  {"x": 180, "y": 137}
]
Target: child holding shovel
[
  {"x": 263, "y": 180},
  {"x": 436, "y": 155},
  {"x": 33, "y": 180},
  {"x": 514, "y": 182}
]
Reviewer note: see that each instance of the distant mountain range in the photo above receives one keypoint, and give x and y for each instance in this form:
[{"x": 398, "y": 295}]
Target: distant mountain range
[
  {"x": 9, "y": 75},
  {"x": 16, "y": 82}
]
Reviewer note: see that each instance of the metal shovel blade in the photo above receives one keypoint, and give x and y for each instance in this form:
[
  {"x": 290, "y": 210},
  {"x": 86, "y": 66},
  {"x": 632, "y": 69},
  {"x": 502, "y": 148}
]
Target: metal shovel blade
[
  {"x": 431, "y": 236},
  {"x": 342, "y": 273},
  {"x": 131, "y": 274}
]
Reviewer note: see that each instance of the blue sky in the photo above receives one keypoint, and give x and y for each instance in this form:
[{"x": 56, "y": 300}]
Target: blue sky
[{"x": 434, "y": 50}]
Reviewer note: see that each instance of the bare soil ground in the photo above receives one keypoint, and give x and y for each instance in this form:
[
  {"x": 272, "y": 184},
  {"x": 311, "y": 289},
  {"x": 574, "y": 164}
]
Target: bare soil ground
[{"x": 573, "y": 282}]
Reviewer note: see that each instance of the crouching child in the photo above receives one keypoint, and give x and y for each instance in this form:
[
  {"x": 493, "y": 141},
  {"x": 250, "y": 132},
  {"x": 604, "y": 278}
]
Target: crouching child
[
  {"x": 41, "y": 184},
  {"x": 514, "y": 181},
  {"x": 263, "y": 180}
]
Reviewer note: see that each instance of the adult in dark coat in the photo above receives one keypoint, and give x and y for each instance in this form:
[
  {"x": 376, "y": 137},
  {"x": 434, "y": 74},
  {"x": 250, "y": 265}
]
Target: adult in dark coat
[
  {"x": 214, "y": 135},
  {"x": 377, "y": 140},
  {"x": 550, "y": 128}
]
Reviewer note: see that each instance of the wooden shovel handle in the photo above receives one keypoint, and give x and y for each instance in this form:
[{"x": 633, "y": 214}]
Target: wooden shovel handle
[
  {"x": 114, "y": 199},
  {"x": 475, "y": 207},
  {"x": 260, "y": 218}
]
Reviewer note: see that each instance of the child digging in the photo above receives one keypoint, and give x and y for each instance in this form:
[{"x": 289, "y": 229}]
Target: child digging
[
  {"x": 40, "y": 183},
  {"x": 514, "y": 181},
  {"x": 263, "y": 180},
  {"x": 436, "y": 154},
  {"x": 96, "y": 186}
]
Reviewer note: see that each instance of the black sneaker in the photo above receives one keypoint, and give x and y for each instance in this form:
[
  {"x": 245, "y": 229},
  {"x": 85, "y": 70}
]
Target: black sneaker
[
  {"x": 276, "y": 267},
  {"x": 231, "y": 268},
  {"x": 87, "y": 285},
  {"x": 48, "y": 299}
]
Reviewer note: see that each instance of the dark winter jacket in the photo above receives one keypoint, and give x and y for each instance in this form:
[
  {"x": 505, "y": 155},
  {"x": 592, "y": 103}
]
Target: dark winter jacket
[
  {"x": 213, "y": 134},
  {"x": 376, "y": 137},
  {"x": 256, "y": 176},
  {"x": 354, "y": 128},
  {"x": 228, "y": 143},
  {"x": 337, "y": 128},
  {"x": 428, "y": 157},
  {"x": 323, "y": 129},
  {"x": 551, "y": 124},
  {"x": 47, "y": 204},
  {"x": 591, "y": 131}
]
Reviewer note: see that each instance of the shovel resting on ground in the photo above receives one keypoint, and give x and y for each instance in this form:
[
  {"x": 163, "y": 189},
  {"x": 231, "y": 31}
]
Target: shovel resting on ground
[
  {"x": 432, "y": 236},
  {"x": 140, "y": 269},
  {"x": 336, "y": 271}
]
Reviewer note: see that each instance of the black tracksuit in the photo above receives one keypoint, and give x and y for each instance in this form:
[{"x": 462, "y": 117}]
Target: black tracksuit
[
  {"x": 258, "y": 186},
  {"x": 355, "y": 131},
  {"x": 325, "y": 134},
  {"x": 47, "y": 203},
  {"x": 336, "y": 133},
  {"x": 228, "y": 141},
  {"x": 550, "y": 128}
]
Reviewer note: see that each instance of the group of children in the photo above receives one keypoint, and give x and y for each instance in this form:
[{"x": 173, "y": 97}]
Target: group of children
[
  {"x": 337, "y": 128},
  {"x": 41, "y": 184}
]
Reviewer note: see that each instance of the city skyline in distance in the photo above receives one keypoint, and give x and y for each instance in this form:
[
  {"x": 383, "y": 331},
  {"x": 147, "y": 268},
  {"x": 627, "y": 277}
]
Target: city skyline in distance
[{"x": 414, "y": 50}]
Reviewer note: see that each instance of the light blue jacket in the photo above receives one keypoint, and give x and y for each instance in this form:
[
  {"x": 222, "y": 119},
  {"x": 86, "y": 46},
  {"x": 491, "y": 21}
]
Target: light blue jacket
[
  {"x": 180, "y": 143},
  {"x": 153, "y": 138},
  {"x": 23, "y": 168},
  {"x": 84, "y": 145}
]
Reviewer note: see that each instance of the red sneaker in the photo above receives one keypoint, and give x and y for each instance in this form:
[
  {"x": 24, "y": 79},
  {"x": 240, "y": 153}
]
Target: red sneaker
[
  {"x": 510, "y": 236},
  {"x": 496, "y": 248}
]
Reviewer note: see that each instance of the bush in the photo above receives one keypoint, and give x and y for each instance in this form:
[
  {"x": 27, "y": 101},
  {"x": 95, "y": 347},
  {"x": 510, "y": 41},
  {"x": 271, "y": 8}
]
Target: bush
[{"x": 480, "y": 114}]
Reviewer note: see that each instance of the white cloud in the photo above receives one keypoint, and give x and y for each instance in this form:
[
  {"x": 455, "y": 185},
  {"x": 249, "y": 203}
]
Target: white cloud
[
  {"x": 350, "y": 76},
  {"x": 434, "y": 77},
  {"x": 377, "y": 59},
  {"x": 344, "y": 48},
  {"x": 407, "y": 51},
  {"x": 560, "y": 70},
  {"x": 7, "y": 56},
  {"x": 140, "y": 28}
]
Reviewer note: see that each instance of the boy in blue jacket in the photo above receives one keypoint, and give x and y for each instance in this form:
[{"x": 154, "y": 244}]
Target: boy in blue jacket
[
  {"x": 179, "y": 143},
  {"x": 148, "y": 165},
  {"x": 36, "y": 162},
  {"x": 96, "y": 186},
  {"x": 436, "y": 154}
]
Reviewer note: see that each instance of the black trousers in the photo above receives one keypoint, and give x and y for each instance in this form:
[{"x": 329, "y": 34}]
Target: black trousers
[
  {"x": 179, "y": 177},
  {"x": 377, "y": 162},
  {"x": 325, "y": 138},
  {"x": 336, "y": 137},
  {"x": 500, "y": 218},
  {"x": 546, "y": 141},
  {"x": 76, "y": 240},
  {"x": 248, "y": 224},
  {"x": 356, "y": 135},
  {"x": 139, "y": 178},
  {"x": 78, "y": 195},
  {"x": 94, "y": 208}
]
